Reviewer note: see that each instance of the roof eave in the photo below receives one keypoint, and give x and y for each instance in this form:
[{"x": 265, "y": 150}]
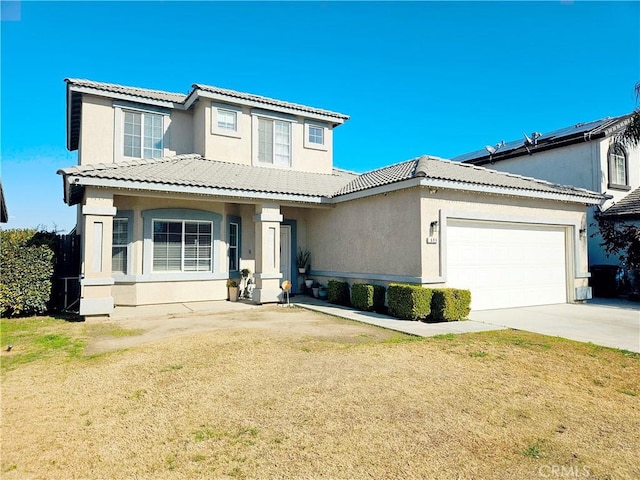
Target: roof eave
[
  {"x": 77, "y": 180},
  {"x": 334, "y": 120},
  {"x": 575, "y": 197},
  {"x": 125, "y": 96}
]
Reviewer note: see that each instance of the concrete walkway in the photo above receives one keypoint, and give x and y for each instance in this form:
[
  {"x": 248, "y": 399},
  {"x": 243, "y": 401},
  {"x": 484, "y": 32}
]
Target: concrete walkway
[
  {"x": 405, "y": 326},
  {"x": 610, "y": 323}
]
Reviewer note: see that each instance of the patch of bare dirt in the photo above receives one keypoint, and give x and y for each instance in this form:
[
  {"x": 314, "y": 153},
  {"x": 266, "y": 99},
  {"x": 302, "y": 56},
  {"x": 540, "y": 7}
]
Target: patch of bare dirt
[{"x": 270, "y": 318}]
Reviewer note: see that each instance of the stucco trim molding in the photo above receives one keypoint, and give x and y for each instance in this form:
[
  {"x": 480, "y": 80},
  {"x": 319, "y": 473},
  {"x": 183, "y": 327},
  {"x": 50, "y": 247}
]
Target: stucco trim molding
[
  {"x": 268, "y": 276},
  {"x": 169, "y": 277},
  {"x": 98, "y": 210},
  {"x": 268, "y": 217},
  {"x": 96, "y": 282},
  {"x": 374, "y": 276}
]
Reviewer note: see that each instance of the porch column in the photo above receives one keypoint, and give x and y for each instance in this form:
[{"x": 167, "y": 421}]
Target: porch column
[
  {"x": 98, "y": 211},
  {"x": 268, "y": 277}
]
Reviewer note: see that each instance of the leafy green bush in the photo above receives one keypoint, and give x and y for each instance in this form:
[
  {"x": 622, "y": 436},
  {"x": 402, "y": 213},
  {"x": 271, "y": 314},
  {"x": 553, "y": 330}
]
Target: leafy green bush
[
  {"x": 410, "y": 302},
  {"x": 450, "y": 304},
  {"x": 367, "y": 297},
  {"x": 26, "y": 267},
  {"x": 338, "y": 292}
]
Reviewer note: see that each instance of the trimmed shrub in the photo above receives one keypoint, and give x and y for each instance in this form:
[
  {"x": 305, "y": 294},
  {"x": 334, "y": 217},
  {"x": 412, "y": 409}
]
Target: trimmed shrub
[
  {"x": 411, "y": 302},
  {"x": 338, "y": 292},
  {"x": 367, "y": 297},
  {"x": 450, "y": 304},
  {"x": 26, "y": 267}
]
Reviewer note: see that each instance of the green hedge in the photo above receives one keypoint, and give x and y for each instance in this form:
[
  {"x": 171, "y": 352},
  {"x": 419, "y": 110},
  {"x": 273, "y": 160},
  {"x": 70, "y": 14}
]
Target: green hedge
[
  {"x": 450, "y": 304},
  {"x": 367, "y": 297},
  {"x": 410, "y": 302},
  {"x": 338, "y": 292},
  {"x": 26, "y": 267}
]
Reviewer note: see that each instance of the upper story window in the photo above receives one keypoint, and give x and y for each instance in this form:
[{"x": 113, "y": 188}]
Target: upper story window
[
  {"x": 315, "y": 136},
  {"x": 274, "y": 142},
  {"x": 225, "y": 119},
  {"x": 618, "y": 174},
  {"x": 143, "y": 134}
]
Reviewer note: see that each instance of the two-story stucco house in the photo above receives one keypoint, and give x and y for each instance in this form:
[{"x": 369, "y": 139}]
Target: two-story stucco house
[
  {"x": 586, "y": 155},
  {"x": 177, "y": 193}
]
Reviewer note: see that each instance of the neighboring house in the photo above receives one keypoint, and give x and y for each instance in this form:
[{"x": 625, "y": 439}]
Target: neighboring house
[
  {"x": 586, "y": 155},
  {"x": 234, "y": 180}
]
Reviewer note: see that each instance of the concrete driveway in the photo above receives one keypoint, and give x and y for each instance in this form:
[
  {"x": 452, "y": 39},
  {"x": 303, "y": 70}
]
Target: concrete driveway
[{"x": 612, "y": 323}]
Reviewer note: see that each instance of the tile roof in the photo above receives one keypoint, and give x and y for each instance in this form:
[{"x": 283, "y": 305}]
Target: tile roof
[
  {"x": 131, "y": 91},
  {"x": 440, "y": 169},
  {"x": 627, "y": 207},
  {"x": 581, "y": 131},
  {"x": 194, "y": 171},
  {"x": 268, "y": 101},
  {"x": 179, "y": 98}
]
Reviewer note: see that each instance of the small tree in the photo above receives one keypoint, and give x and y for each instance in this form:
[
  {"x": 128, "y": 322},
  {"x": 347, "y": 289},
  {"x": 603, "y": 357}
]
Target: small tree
[{"x": 621, "y": 239}]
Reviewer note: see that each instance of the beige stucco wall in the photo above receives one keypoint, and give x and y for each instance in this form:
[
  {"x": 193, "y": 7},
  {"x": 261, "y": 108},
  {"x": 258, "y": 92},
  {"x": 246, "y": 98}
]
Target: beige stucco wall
[
  {"x": 152, "y": 293},
  {"x": 99, "y": 129},
  {"x": 222, "y": 147},
  {"x": 309, "y": 159},
  {"x": 375, "y": 235},
  {"x": 191, "y": 132},
  {"x": 179, "y": 134},
  {"x": 96, "y": 131},
  {"x": 240, "y": 148},
  {"x": 387, "y": 235}
]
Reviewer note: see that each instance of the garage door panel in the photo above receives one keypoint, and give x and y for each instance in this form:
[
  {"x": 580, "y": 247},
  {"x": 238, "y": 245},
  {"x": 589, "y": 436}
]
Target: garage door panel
[{"x": 507, "y": 265}]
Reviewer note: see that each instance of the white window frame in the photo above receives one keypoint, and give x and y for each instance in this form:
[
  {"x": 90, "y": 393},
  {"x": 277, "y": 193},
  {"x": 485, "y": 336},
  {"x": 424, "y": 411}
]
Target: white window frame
[
  {"x": 124, "y": 246},
  {"x": 612, "y": 170},
  {"x": 234, "y": 250},
  {"x": 307, "y": 136},
  {"x": 216, "y": 108},
  {"x": 118, "y": 143},
  {"x": 183, "y": 222},
  {"x": 273, "y": 117}
]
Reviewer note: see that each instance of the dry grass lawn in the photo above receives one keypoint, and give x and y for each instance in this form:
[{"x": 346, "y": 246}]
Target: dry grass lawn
[{"x": 359, "y": 403}]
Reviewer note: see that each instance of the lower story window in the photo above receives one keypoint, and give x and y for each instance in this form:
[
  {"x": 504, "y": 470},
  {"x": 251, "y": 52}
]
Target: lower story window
[
  {"x": 182, "y": 246},
  {"x": 120, "y": 240}
]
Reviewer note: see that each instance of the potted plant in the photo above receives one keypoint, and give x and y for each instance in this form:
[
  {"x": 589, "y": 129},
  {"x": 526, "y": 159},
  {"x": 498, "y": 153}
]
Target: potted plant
[
  {"x": 316, "y": 289},
  {"x": 302, "y": 260},
  {"x": 322, "y": 292},
  {"x": 232, "y": 288}
]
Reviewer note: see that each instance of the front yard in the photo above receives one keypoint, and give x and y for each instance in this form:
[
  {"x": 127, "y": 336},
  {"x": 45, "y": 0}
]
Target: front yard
[{"x": 342, "y": 401}]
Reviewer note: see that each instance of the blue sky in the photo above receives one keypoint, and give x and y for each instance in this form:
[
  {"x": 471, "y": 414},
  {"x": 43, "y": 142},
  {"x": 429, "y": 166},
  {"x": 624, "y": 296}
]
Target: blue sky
[{"x": 415, "y": 77}]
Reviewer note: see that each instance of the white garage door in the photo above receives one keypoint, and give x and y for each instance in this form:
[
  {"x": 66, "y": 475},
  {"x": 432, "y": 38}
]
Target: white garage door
[{"x": 507, "y": 265}]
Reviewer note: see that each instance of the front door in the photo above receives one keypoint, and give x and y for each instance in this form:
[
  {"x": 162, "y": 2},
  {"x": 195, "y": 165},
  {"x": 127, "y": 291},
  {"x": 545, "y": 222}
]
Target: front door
[{"x": 285, "y": 252}]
